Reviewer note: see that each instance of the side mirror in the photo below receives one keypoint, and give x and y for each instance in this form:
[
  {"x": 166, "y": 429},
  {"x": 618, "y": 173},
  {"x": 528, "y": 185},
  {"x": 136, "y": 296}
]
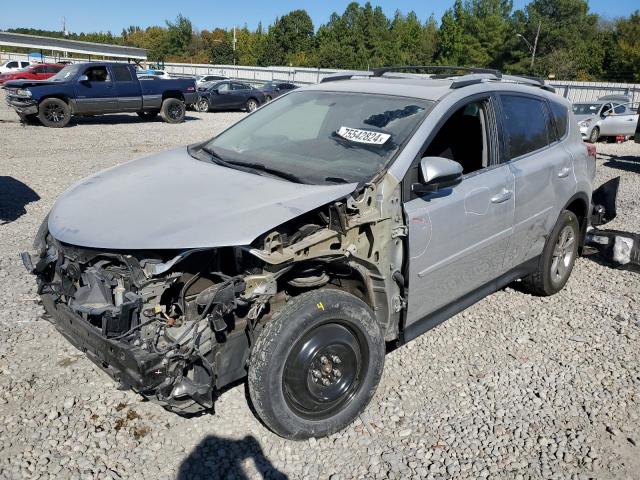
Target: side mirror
[
  {"x": 437, "y": 173},
  {"x": 83, "y": 78}
]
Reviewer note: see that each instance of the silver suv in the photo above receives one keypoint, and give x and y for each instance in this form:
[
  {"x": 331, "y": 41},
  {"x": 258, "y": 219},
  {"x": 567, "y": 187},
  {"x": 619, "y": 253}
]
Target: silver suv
[{"x": 298, "y": 244}]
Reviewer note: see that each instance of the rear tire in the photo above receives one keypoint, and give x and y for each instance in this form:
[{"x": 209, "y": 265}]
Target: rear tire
[
  {"x": 251, "y": 105},
  {"x": 557, "y": 259},
  {"x": 54, "y": 113},
  {"x": 149, "y": 115},
  {"x": 316, "y": 365},
  {"x": 595, "y": 135},
  {"x": 172, "y": 110},
  {"x": 202, "y": 105}
]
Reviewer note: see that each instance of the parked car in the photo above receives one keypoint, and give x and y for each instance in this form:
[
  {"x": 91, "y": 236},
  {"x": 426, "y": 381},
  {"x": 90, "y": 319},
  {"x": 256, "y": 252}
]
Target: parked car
[
  {"x": 40, "y": 71},
  {"x": 229, "y": 95},
  {"x": 153, "y": 73},
  {"x": 97, "y": 88},
  {"x": 609, "y": 116},
  {"x": 290, "y": 248},
  {"x": 13, "y": 65},
  {"x": 272, "y": 90},
  {"x": 202, "y": 79}
]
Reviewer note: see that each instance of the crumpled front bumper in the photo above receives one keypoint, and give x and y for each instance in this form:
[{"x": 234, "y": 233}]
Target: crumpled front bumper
[
  {"x": 131, "y": 367},
  {"x": 22, "y": 105}
]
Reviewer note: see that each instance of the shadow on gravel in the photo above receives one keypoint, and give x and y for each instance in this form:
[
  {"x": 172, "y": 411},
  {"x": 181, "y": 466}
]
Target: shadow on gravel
[
  {"x": 628, "y": 163},
  {"x": 14, "y": 196},
  {"x": 216, "y": 457},
  {"x": 118, "y": 119}
]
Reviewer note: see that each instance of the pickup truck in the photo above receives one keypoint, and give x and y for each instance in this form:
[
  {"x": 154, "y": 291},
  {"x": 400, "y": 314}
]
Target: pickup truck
[{"x": 97, "y": 88}]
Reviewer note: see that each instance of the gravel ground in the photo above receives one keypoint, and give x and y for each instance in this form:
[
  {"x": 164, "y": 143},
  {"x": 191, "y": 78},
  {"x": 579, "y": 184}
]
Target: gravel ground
[{"x": 515, "y": 387}]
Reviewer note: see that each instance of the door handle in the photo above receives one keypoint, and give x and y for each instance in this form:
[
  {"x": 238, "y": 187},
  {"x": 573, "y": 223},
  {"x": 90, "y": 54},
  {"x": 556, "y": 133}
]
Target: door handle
[
  {"x": 502, "y": 196},
  {"x": 564, "y": 172}
]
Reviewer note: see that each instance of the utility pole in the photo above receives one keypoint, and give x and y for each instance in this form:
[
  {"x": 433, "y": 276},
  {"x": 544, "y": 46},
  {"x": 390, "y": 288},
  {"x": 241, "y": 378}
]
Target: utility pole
[
  {"x": 534, "y": 47},
  {"x": 234, "y": 45}
]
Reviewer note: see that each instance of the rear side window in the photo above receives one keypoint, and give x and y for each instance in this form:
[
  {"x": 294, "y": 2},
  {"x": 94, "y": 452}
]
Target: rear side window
[
  {"x": 121, "y": 73},
  {"x": 525, "y": 124},
  {"x": 12, "y": 64},
  {"x": 561, "y": 116}
]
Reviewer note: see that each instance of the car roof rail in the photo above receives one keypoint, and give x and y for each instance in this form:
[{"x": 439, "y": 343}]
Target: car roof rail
[
  {"x": 378, "y": 72},
  {"x": 348, "y": 75}
]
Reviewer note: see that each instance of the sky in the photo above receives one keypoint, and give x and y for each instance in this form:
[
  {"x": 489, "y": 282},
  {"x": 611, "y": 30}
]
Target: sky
[{"x": 114, "y": 15}]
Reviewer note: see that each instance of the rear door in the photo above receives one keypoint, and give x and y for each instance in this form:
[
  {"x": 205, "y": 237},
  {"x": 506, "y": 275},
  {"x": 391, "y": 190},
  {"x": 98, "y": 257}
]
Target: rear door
[
  {"x": 127, "y": 88},
  {"x": 240, "y": 94},
  {"x": 543, "y": 172},
  {"x": 97, "y": 94}
]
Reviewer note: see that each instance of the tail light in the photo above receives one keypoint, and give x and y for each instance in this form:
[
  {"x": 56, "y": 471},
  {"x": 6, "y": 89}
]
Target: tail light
[{"x": 591, "y": 151}]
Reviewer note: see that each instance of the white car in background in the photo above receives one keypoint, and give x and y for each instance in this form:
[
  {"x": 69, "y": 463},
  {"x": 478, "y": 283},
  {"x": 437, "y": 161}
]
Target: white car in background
[
  {"x": 13, "y": 65},
  {"x": 152, "y": 73},
  {"x": 609, "y": 116}
]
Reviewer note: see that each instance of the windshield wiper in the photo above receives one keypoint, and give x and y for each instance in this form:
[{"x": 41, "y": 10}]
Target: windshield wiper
[
  {"x": 271, "y": 171},
  {"x": 336, "y": 180}
]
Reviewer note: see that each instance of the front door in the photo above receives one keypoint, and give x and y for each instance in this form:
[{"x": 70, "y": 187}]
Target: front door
[
  {"x": 458, "y": 237},
  {"x": 96, "y": 94}
]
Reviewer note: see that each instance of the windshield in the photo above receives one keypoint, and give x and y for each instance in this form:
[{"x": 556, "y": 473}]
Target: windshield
[
  {"x": 586, "y": 108},
  {"x": 323, "y": 137},
  {"x": 66, "y": 73}
]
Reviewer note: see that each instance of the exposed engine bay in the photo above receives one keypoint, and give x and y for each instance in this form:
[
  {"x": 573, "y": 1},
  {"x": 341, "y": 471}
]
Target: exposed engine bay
[{"x": 178, "y": 326}]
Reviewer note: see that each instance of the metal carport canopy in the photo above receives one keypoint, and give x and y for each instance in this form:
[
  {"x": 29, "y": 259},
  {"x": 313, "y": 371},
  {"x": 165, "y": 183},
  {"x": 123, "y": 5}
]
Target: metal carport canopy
[{"x": 75, "y": 46}]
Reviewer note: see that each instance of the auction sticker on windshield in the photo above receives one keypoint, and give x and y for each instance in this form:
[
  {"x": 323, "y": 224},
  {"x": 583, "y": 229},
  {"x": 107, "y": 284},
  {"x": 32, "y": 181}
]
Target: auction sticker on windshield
[{"x": 363, "y": 136}]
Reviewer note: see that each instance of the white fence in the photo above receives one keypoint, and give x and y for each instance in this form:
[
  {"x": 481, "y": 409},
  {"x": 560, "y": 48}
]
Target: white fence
[{"x": 574, "y": 91}]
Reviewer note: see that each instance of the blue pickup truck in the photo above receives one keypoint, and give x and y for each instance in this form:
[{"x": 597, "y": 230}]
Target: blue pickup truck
[{"x": 97, "y": 88}]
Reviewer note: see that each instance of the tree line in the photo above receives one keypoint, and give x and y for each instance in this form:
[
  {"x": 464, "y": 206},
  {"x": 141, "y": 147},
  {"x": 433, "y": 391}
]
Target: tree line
[{"x": 570, "y": 41}]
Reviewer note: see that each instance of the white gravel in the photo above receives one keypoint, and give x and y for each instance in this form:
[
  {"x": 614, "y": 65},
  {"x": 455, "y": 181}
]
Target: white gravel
[{"x": 515, "y": 387}]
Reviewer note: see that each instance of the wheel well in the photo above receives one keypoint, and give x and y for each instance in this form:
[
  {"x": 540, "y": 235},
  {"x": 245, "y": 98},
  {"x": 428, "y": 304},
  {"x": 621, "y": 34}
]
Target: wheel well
[
  {"x": 578, "y": 206},
  {"x": 59, "y": 97},
  {"x": 173, "y": 94}
]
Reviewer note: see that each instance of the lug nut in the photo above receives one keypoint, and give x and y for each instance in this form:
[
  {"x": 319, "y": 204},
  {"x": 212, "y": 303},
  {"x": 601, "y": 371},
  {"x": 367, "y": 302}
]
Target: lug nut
[
  {"x": 323, "y": 359},
  {"x": 336, "y": 359},
  {"x": 325, "y": 382},
  {"x": 337, "y": 373},
  {"x": 316, "y": 373}
]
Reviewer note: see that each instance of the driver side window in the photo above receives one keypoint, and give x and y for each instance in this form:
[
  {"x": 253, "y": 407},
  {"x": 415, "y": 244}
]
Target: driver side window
[
  {"x": 97, "y": 74},
  {"x": 224, "y": 87},
  {"x": 463, "y": 137}
]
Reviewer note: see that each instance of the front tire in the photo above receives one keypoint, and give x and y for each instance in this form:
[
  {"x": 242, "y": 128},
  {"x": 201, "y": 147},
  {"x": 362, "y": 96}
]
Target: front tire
[
  {"x": 54, "y": 113},
  {"x": 172, "y": 110},
  {"x": 557, "y": 259},
  {"x": 595, "y": 135},
  {"x": 316, "y": 365}
]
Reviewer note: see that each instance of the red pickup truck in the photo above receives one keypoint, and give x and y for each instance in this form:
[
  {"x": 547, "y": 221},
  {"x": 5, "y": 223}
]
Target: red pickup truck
[{"x": 41, "y": 71}]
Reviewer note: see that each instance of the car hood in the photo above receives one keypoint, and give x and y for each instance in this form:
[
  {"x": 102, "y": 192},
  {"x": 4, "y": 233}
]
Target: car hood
[
  {"x": 29, "y": 83},
  {"x": 173, "y": 201}
]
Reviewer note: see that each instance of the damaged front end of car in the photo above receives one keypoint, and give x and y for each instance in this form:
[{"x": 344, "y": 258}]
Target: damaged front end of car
[{"x": 177, "y": 326}]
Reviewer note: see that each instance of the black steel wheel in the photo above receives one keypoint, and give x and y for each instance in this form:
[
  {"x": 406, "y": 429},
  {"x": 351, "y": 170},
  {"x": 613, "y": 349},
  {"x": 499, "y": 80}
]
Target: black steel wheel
[
  {"x": 324, "y": 370},
  {"x": 173, "y": 110},
  {"x": 315, "y": 366},
  {"x": 53, "y": 112}
]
